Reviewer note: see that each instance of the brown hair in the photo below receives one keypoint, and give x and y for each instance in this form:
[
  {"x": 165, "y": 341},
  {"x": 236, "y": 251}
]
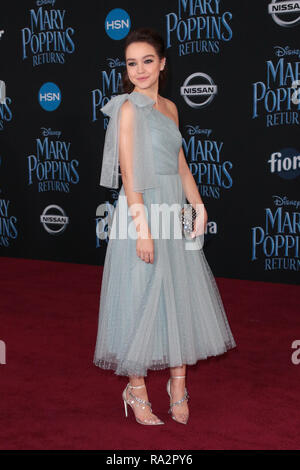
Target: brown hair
[{"x": 153, "y": 38}]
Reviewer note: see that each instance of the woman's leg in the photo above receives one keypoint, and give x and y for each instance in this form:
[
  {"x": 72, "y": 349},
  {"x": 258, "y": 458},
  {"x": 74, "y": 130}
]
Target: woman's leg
[
  {"x": 177, "y": 387},
  {"x": 141, "y": 411}
]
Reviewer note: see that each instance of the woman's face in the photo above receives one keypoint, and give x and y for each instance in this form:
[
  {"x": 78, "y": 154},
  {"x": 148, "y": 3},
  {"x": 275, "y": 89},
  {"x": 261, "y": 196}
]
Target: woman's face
[{"x": 143, "y": 65}]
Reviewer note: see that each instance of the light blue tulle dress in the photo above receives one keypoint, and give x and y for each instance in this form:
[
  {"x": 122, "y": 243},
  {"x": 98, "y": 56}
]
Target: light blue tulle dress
[{"x": 165, "y": 314}]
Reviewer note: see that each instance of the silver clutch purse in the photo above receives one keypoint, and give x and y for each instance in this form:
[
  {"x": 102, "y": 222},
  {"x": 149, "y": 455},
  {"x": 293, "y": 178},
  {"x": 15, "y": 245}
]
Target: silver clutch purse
[{"x": 188, "y": 217}]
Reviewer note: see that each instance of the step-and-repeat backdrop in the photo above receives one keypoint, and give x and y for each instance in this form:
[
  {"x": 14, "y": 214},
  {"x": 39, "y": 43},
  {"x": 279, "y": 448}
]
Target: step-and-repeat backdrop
[{"x": 234, "y": 75}]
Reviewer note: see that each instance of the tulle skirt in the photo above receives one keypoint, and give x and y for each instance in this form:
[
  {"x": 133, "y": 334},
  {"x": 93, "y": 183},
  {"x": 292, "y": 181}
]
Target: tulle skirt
[{"x": 165, "y": 314}]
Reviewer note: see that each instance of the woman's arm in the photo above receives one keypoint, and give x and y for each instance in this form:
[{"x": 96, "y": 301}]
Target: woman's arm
[
  {"x": 135, "y": 201},
  {"x": 188, "y": 182},
  {"x": 126, "y": 148}
]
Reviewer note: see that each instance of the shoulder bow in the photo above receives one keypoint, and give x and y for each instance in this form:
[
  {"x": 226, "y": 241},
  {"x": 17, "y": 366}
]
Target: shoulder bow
[{"x": 143, "y": 163}]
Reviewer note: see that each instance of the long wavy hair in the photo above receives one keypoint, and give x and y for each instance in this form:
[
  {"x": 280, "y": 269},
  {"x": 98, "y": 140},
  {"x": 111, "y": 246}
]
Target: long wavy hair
[{"x": 153, "y": 38}]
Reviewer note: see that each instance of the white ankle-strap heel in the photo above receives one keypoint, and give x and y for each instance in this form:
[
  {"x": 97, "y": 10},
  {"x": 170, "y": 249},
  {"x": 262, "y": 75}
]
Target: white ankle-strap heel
[
  {"x": 139, "y": 402},
  {"x": 185, "y": 397}
]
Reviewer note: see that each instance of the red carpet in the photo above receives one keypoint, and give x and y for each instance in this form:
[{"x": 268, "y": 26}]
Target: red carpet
[{"x": 53, "y": 397}]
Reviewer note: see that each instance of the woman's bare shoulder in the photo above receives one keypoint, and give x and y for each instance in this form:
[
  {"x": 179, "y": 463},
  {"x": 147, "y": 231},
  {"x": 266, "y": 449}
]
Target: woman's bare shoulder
[
  {"x": 126, "y": 106},
  {"x": 169, "y": 104},
  {"x": 172, "y": 109}
]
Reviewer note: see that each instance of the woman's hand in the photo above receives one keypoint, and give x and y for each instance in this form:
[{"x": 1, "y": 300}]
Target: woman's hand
[
  {"x": 200, "y": 222},
  {"x": 145, "y": 249}
]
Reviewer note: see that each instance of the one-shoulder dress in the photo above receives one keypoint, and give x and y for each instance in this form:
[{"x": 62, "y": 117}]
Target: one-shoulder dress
[{"x": 169, "y": 312}]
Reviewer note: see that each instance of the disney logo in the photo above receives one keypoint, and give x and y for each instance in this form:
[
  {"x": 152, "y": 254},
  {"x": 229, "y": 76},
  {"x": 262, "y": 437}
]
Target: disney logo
[
  {"x": 283, "y": 51},
  {"x": 45, "y": 2},
  {"x": 284, "y": 201},
  {"x": 193, "y": 130},
  {"x": 115, "y": 63},
  {"x": 46, "y": 132}
]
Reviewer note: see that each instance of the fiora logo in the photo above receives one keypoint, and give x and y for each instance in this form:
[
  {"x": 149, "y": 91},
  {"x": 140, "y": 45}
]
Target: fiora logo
[
  {"x": 286, "y": 163},
  {"x": 198, "y": 90},
  {"x": 49, "y": 96},
  {"x": 285, "y": 13},
  {"x": 117, "y": 24}
]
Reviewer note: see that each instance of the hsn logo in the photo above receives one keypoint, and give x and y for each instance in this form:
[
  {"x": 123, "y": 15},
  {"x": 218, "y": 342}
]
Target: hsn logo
[
  {"x": 117, "y": 23},
  {"x": 49, "y": 96}
]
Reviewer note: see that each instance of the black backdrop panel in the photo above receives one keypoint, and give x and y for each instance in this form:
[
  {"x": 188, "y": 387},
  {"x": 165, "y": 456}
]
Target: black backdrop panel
[{"x": 61, "y": 61}]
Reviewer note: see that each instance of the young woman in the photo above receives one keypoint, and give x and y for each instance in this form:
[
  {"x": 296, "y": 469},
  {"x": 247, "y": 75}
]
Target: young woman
[{"x": 160, "y": 306}]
